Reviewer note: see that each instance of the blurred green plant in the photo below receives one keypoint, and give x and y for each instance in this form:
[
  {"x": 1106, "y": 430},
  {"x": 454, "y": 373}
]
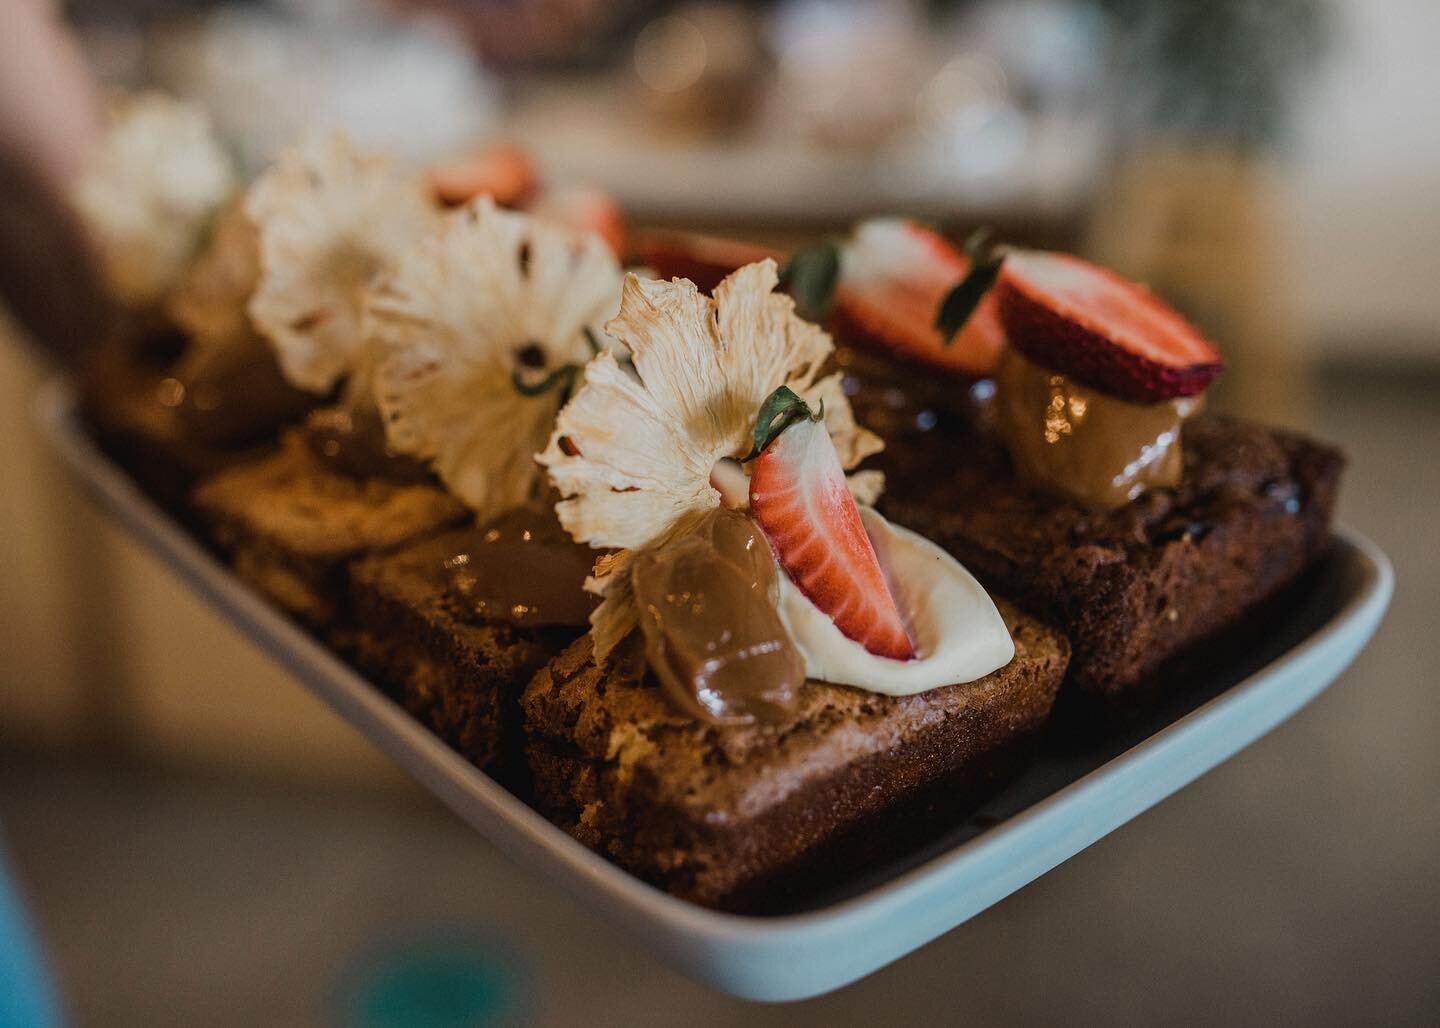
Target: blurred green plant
[
  {"x": 1222, "y": 72},
  {"x": 1218, "y": 71}
]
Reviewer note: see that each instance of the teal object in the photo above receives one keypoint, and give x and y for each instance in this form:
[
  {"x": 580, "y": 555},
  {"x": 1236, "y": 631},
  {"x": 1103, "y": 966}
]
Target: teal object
[
  {"x": 440, "y": 984},
  {"x": 26, "y": 998}
]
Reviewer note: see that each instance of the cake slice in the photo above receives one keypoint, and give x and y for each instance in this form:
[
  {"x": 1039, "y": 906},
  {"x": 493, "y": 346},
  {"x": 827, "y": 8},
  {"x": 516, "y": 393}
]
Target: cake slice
[
  {"x": 122, "y": 393},
  {"x": 169, "y": 427},
  {"x": 722, "y": 814},
  {"x": 777, "y": 681},
  {"x": 484, "y": 326},
  {"x": 1083, "y": 484},
  {"x": 320, "y": 225},
  {"x": 1136, "y": 586},
  {"x": 454, "y": 636},
  {"x": 188, "y": 387},
  {"x": 292, "y": 524}
]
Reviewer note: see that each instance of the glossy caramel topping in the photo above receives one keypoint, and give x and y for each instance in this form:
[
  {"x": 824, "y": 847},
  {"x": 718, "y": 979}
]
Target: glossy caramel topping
[
  {"x": 1082, "y": 444},
  {"x": 523, "y": 569},
  {"x": 352, "y": 442},
  {"x": 713, "y": 635}
]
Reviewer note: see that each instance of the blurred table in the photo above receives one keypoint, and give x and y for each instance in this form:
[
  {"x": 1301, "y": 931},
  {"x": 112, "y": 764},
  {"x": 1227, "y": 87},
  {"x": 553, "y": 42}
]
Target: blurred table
[{"x": 1036, "y": 175}]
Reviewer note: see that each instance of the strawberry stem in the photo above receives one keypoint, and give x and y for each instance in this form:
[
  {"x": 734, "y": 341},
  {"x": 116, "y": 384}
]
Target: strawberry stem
[
  {"x": 980, "y": 246},
  {"x": 960, "y": 303},
  {"x": 781, "y": 409}
]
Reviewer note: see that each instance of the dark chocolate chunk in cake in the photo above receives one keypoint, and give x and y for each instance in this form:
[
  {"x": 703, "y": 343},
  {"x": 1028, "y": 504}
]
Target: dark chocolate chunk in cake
[
  {"x": 1132, "y": 587},
  {"x": 713, "y": 813}
]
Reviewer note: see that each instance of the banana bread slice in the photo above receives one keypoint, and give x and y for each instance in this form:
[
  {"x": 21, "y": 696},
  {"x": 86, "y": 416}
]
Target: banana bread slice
[
  {"x": 1135, "y": 587},
  {"x": 291, "y": 525},
  {"x": 721, "y": 814}
]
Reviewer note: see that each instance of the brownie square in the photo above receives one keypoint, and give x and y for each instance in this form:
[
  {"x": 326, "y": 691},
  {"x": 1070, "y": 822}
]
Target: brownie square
[
  {"x": 292, "y": 525},
  {"x": 458, "y": 675},
  {"x": 1134, "y": 587},
  {"x": 720, "y": 814}
]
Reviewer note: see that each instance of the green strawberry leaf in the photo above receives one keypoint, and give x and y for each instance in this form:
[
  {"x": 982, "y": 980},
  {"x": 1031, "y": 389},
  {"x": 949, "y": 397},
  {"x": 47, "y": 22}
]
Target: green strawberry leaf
[
  {"x": 960, "y": 303},
  {"x": 781, "y": 409},
  {"x": 810, "y": 277}
]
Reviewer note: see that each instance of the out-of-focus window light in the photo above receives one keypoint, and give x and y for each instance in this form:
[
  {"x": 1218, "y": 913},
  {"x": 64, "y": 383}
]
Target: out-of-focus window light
[
  {"x": 850, "y": 70},
  {"x": 963, "y": 95},
  {"x": 670, "y": 54}
]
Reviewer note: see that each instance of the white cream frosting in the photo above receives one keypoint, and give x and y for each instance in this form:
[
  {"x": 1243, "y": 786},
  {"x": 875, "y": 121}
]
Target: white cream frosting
[{"x": 958, "y": 634}]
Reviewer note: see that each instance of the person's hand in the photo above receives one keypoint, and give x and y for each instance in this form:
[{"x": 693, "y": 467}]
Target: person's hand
[{"x": 49, "y": 125}]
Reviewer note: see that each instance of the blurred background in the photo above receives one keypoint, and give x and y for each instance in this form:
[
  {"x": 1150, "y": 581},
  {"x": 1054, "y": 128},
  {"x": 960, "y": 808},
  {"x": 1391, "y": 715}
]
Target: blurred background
[{"x": 199, "y": 842}]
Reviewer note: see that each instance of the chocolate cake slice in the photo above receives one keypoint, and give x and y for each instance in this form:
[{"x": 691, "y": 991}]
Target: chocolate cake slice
[
  {"x": 1134, "y": 587},
  {"x": 454, "y": 626},
  {"x": 292, "y": 523},
  {"x": 170, "y": 426},
  {"x": 722, "y": 815}
]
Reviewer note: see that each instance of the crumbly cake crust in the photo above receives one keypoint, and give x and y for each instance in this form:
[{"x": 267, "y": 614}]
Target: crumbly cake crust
[
  {"x": 710, "y": 812},
  {"x": 1134, "y": 587},
  {"x": 292, "y": 525}
]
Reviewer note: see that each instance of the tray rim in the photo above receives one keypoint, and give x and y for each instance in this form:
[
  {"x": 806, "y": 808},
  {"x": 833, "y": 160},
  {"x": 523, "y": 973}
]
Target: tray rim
[{"x": 752, "y": 956}]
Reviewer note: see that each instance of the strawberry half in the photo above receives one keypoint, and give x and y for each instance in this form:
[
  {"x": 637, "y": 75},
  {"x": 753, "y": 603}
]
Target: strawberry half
[
  {"x": 799, "y": 497},
  {"x": 704, "y": 260},
  {"x": 1102, "y": 330},
  {"x": 894, "y": 276},
  {"x": 501, "y": 170},
  {"x": 583, "y": 207}
]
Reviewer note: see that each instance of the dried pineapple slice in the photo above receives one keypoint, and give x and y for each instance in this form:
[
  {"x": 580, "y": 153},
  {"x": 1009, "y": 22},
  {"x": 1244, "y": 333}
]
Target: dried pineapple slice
[
  {"x": 158, "y": 179},
  {"x": 490, "y": 296},
  {"x": 328, "y": 220},
  {"x": 634, "y": 450}
]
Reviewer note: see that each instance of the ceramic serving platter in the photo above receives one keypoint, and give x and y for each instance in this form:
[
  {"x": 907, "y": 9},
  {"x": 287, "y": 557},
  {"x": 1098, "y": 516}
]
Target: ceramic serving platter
[{"x": 1075, "y": 792}]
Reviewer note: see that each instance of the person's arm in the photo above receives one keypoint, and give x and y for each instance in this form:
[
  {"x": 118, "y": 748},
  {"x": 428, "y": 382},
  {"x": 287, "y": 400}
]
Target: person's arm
[{"x": 49, "y": 125}]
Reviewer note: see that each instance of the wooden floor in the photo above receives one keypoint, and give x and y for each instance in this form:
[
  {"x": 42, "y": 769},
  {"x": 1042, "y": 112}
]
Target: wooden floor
[{"x": 1294, "y": 885}]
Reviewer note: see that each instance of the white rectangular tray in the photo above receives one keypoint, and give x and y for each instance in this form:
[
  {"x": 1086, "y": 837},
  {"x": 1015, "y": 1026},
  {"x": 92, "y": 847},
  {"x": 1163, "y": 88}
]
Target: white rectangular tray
[{"x": 1067, "y": 800}]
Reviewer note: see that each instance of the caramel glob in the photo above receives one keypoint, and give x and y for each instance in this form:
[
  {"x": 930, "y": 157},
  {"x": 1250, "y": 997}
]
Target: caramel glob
[{"x": 713, "y": 633}]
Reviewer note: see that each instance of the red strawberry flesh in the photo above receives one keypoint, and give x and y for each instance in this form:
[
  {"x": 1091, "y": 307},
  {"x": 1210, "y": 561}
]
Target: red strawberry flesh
[
  {"x": 1102, "y": 330},
  {"x": 501, "y": 170},
  {"x": 894, "y": 276},
  {"x": 704, "y": 260},
  {"x": 799, "y": 497},
  {"x": 585, "y": 208}
]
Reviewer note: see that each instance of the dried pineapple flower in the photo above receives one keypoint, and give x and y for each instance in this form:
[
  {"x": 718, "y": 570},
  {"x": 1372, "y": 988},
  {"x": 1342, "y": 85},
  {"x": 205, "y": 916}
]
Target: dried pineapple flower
[
  {"x": 158, "y": 179},
  {"x": 468, "y": 326},
  {"x": 633, "y": 452},
  {"x": 328, "y": 219}
]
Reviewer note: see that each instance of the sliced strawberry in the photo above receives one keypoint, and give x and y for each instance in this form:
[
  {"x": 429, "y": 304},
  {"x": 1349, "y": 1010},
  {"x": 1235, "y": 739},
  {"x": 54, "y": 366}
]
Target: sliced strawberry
[
  {"x": 894, "y": 275},
  {"x": 501, "y": 170},
  {"x": 798, "y": 496},
  {"x": 1102, "y": 330},
  {"x": 704, "y": 260},
  {"x": 584, "y": 207}
]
